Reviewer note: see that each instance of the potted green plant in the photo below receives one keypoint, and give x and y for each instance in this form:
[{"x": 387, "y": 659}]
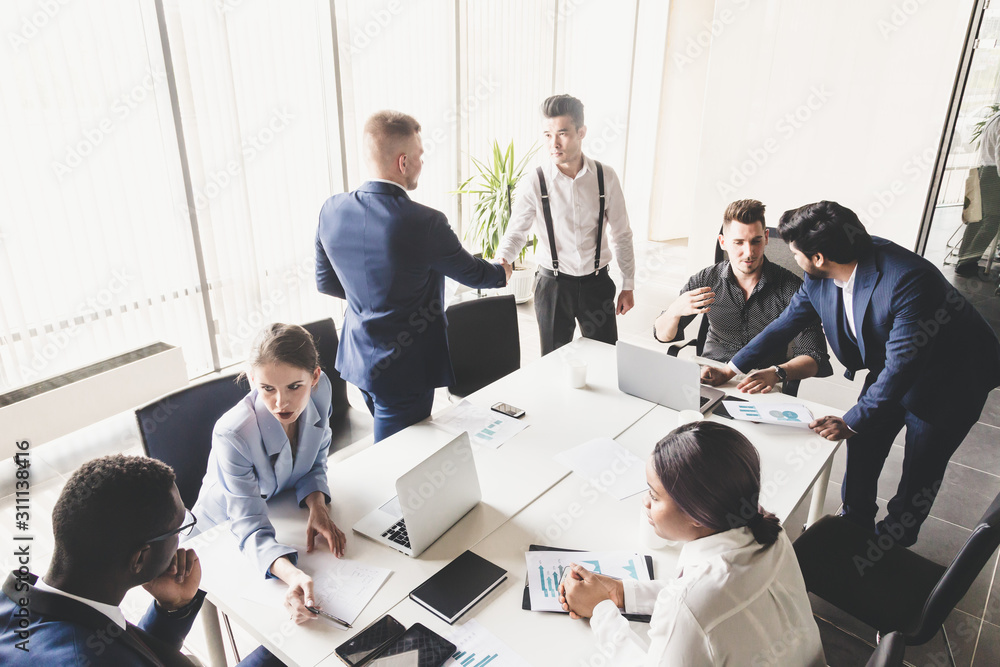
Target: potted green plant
[{"x": 493, "y": 186}]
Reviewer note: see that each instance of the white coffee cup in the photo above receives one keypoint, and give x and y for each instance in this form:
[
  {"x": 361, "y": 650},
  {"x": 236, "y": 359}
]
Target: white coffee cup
[{"x": 577, "y": 369}]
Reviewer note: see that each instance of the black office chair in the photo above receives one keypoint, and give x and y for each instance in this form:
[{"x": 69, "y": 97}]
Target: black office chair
[
  {"x": 177, "y": 428},
  {"x": 778, "y": 252},
  {"x": 890, "y": 651},
  {"x": 483, "y": 341},
  {"x": 349, "y": 424},
  {"x": 892, "y": 588}
]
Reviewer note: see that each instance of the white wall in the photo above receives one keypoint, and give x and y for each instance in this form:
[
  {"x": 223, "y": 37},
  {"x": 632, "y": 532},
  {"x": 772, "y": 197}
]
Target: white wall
[{"x": 808, "y": 100}]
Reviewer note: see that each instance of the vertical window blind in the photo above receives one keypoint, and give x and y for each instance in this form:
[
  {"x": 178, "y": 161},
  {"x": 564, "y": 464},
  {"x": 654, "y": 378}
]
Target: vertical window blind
[{"x": 119, "y": 219}]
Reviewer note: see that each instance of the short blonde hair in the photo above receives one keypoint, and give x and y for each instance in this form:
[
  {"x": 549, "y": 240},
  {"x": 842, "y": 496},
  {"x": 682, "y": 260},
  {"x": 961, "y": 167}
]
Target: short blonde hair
[{"x": 385, "y": 131}]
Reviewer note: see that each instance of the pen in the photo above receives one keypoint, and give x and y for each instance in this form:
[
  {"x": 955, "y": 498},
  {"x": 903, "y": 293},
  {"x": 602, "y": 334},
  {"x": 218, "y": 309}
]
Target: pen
[{"x": 330, "y": 617}]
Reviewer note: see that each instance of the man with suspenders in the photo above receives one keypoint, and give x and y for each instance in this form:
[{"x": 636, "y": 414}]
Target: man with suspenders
[{"x": 569, "y": 202}]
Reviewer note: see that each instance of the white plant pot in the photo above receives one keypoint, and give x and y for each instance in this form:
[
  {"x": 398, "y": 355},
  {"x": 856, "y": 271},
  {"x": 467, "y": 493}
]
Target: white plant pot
[{"x": 522, "y": 282}]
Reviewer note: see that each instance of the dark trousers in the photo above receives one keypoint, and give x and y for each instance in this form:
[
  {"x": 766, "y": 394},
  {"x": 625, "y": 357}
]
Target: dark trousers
[
  {"x": 561, "y": 302},
  {"x": 978, "y": 236},
  {"x": 394, "y": 413},
  {"x": 927, "y": 449}
]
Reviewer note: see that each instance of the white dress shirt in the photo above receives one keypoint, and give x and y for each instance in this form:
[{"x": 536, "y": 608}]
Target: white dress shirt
[
  {"x": 989, "y": 144},
  {"x": 734, "y": 602},
  {"x": 109, "y": 610},
  {"x": 847, "y": 290},
  {"x": 575, "y": 204}
]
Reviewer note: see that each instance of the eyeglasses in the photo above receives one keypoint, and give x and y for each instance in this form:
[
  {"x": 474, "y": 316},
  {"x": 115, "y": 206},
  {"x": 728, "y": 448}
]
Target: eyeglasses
[{"x": 188, "y": 524}]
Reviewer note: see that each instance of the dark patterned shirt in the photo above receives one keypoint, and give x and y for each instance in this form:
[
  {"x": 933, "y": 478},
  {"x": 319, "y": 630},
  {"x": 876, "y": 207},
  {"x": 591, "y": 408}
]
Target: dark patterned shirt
[{"x": 733, "y": 320}]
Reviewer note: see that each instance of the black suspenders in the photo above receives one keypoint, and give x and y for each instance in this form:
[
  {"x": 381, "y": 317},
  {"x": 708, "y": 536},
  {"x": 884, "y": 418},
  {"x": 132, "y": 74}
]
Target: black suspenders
[{"x": 547, "y": 212}]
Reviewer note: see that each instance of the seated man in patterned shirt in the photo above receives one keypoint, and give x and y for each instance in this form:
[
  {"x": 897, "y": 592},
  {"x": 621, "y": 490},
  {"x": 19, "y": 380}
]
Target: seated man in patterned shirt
[{"x": 740, "y": 297}]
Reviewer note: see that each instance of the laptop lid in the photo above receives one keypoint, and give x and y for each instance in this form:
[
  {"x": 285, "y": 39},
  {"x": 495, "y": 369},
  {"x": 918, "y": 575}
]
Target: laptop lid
[
  {"x": 438, "y": 492},
  {"x": 663, "y": 379}
]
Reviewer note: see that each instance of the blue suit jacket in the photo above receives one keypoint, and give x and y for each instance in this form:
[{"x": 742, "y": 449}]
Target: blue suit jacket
[
  {"x": 924, "y": 345},
  {"x": 251, "y": 461},
  {"x": 388, "y": 256},
  {"x": 66, "y": 632}
]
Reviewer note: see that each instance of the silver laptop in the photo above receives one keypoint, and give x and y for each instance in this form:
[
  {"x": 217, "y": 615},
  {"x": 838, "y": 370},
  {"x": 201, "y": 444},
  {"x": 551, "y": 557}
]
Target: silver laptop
[
  {"x": 430, "y": 499},
  {"x": 658, "y": 377}
]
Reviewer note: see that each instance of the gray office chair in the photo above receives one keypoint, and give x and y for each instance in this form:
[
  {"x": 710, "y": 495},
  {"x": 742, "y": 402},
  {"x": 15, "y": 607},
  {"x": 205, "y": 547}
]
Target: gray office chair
[
  {"x": 177, "y": 429},
  {"x": 892, "y": 589}
]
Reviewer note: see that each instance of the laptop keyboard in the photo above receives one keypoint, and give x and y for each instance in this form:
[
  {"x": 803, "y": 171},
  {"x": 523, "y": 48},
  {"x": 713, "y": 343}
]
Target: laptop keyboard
[{"x": 397, "y": 534}]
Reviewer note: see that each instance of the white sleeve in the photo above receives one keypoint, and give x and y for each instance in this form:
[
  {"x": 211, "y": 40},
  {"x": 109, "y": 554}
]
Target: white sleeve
[
  {"x": 621, "y": 231},
  {"x": 523, "y": 212},
  {"x": 640, "y": 596},
  {"x": 675, "y": 636}
]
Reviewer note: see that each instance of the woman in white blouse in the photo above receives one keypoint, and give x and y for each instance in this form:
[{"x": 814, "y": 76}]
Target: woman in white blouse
[{"x": 738, "y": 597}]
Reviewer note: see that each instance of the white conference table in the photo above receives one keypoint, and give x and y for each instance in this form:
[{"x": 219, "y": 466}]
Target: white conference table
[{"x": 522, "y": 491}]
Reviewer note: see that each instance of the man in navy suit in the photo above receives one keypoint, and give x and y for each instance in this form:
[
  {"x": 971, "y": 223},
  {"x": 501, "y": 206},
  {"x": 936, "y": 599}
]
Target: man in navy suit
[
  {"x": 387, "y": 256},
  {"x": 116, "y": 526},
  {"x": 931, "y": 358}
]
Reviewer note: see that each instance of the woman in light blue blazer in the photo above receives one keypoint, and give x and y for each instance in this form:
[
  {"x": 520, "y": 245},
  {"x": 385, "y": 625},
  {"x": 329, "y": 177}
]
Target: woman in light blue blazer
[{"x": 275, "y": 439}]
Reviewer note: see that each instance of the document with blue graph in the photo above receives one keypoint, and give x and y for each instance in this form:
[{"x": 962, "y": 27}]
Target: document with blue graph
[
  {"x": 486, "y": 427},
  {"x": 475, "y": 646},
  {"x": 547, "y": 568},
  {"x": 786, "y": 414}
]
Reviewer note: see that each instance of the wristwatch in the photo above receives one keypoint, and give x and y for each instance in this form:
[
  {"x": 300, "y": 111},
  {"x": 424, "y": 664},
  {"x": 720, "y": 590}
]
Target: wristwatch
[{"x": 781, "y": 373}]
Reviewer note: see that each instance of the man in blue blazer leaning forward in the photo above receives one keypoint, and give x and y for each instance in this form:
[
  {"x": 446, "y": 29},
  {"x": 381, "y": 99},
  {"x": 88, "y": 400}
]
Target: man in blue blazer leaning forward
[
  {"x": 117, "y": 524},
  {"x": 388, "y": 256},
  {"x": 931, "y": 358}
]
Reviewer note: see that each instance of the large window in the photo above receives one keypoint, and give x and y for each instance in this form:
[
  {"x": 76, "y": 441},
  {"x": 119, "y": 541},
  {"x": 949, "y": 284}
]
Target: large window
[{"x": 164, "y": 161}]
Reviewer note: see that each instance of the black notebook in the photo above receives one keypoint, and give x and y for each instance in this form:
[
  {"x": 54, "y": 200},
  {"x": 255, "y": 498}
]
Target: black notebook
[
  {"x": 458, "y": 586},
  {"x": 526, "y": 599}
]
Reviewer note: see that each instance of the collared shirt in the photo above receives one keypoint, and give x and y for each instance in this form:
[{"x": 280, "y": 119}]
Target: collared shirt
[
  {"x": 989, "y": 144},
  {"x": 847, "y": 290},
  {"x": 734, "y": 602},
  {"x": 109, "y": 610},
  {"x": 575, "y": 204},
  {"x": 734, "y": 320},
  {"x": 383, "y": 180}
]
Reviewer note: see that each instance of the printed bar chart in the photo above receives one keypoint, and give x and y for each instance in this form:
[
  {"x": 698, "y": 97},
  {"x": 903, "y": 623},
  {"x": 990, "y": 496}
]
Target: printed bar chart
[{"x": 471, "y": 657}]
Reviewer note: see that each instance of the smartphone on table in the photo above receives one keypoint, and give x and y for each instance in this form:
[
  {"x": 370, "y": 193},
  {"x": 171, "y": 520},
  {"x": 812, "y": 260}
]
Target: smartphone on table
[
  {"x": 508, "y": 409},
  {"x": 358, "y": 650}
]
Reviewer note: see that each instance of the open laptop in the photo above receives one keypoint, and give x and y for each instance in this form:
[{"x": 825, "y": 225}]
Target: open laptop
[
  {"x": 430, "y": 499},
  {"x": 658, "y": 377}
]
